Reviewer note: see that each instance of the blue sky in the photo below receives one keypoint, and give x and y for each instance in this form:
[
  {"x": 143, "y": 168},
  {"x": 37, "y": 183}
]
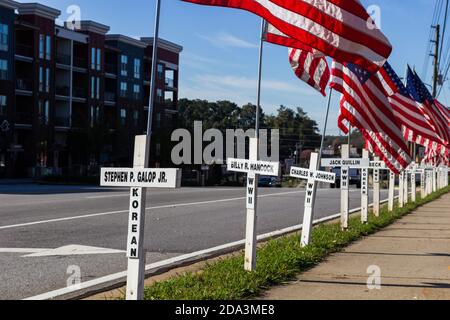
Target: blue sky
[{"x": 220, "y": 54}]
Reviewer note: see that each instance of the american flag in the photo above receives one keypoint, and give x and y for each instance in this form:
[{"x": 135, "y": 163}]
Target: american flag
[
  {"x": 428, "y": 106},
  {"x": 416, "y": 126},
  {"x": 340, "y": 29},
  {"x": 365, "y": 105},
  {"x": 308, "y": 64}
]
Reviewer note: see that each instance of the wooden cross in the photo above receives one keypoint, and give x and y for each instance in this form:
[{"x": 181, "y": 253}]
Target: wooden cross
[
  {"x": 345, "y": 163},
  {"x": 313, "y": 176},
  {"x": 138, "y": 179},
  {"x": 253, "y": 168}
]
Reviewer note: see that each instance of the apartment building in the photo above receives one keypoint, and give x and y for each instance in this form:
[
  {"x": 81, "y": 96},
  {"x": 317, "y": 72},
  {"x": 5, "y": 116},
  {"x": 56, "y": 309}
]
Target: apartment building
[{"x": 72, "y": 99}]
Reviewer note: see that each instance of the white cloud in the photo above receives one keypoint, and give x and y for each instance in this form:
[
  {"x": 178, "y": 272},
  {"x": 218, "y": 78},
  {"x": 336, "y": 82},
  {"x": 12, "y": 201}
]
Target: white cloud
[{"x": 227, "y": 40}]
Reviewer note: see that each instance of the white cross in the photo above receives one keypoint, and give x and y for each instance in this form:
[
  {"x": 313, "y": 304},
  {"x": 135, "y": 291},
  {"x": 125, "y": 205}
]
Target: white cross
[
  {"x": 313, "y": 176},
  {"x": 377, "y": 166},
  {"x": 138, "y": 179},
  {"x": 345, "y": 163},
  {"x": 254, "y": 169}
]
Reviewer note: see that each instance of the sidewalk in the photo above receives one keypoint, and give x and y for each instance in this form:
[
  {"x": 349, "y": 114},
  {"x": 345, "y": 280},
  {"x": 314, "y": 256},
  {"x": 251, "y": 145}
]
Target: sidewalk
[{"x": 413, "y": 255}]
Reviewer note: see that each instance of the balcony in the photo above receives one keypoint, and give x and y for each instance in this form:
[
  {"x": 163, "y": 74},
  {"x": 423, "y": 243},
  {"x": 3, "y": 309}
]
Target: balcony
[
  {"x": 79, "y": 93},
  {"x": 63, "y": 59},
  {"x": 80, "y": 63},
  {"x": 24, "y": 84},
  {"x": 62, "y": 122},
  {"x": 169, "y": 83},
  {"x": 110, "y": 97},
  {"x": 24, "y": 118},
  {"x": 111, "y": 68},
  {"x": 62, "y": 91},
  {"x": 24, "y": 50}
]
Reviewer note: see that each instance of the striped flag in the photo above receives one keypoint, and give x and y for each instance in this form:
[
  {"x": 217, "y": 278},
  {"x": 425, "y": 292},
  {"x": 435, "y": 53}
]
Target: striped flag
[
  {"x": 365, "y": 105},
  {"x": 311, "y": 68},
  {"x": 428, "y": 106},
  {"x": 444, "y": 110},
  {"x": 341, "y": 29},
  {"x": 308, "y": 64},
  {"x": 416, "y": 126}
]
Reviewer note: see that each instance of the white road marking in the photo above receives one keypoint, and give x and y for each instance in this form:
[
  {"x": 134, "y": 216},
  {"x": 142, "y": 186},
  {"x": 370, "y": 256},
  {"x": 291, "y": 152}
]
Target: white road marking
[
  {"x": 73, "y": 250},
  {"x": 21, "y": 250},
  {"x": 149, "y": 208},
  {"x": 179, "y": 259},
  {"x": 70, "y": 250}
]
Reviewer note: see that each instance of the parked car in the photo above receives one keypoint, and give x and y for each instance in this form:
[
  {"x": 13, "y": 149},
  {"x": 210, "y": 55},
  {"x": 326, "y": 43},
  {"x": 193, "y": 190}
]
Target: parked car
[{"x": 269, "y": 182}]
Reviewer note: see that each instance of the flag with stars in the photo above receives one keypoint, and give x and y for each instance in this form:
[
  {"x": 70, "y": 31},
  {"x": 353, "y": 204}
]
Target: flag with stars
[
  {"x": 365, "y": 104},
  {"x": 420, "y": 93},
  {"x": 416, "y": 127}
]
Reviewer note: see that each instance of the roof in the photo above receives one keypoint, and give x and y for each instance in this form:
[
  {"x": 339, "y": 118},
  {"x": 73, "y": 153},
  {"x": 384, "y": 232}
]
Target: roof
[
  {"x": 163, "y": 44},
  {"x": 39, "y": 10},
  {"x": 126, "y": 39}
]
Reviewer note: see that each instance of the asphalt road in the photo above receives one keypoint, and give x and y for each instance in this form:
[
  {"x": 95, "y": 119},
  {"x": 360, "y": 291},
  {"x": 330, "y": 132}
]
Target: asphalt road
[{"x": 34, "y": 219}]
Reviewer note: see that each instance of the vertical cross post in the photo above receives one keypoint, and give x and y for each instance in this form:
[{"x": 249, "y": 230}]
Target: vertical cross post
[
  {"x": 136, "y": 228},
  {"x": 413, "y": 184},
  {"x": 252, "y": 205},
  {"x": 422, "y": 184},
  {"x": 376, "y": 190},
  {"x": 434, "y": 180},
  {"x": 365, "y": 190},
  {"x": 391, "y": 191},
  {"x": 405, "y": 188},
  {"x": 311, "y": 189},
  {"x": 345, "y": 182},
  {"x": 401, "y": 183}
]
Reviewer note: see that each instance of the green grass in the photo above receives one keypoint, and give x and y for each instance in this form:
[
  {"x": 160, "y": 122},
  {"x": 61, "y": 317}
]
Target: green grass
[{"x": 278, "y": 260}]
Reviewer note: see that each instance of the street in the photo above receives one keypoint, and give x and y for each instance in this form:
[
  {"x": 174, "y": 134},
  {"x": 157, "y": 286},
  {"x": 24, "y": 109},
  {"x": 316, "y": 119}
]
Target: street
[{"x": 88, "y": 227}]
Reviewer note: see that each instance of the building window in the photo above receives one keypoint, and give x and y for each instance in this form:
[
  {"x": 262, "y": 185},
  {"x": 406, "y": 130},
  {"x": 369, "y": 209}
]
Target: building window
[
  {"x": 48, "y": 48},
  {"x": 41, "y": 79},
  {"x": 3, "y": 105},
  {"x": 136, "y": 118},
  {"x": 4, "y": 38},
  {"x": 3, "y": 69},
  {"x": 99, "y": 59},
  {"x": 137, "y": 91},
  {"x": 93, "y": 50},
  {"x": 41, "y": 46},
  {"x": 123, "y": 89},
  {"x": 159, "y": 95},
  {"x": 137, "y": 68},
  {"x": 98, "y": 88},
  {"x": 47, "y": 80},
  {"x": 93, "y": 87},
  {"x": 44, "y": 112},
  {"x": 160, "y": 71},
  {"x": 124, "y": 65},
  {"x": 123, "y": 117}
]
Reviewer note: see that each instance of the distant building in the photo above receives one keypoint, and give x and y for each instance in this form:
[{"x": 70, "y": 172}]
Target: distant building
[{"x": 71, "y": 101}]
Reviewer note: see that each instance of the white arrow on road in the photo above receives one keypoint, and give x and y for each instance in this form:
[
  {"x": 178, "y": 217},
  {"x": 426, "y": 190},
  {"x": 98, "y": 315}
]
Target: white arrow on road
[{"x": 70, "y": 250}]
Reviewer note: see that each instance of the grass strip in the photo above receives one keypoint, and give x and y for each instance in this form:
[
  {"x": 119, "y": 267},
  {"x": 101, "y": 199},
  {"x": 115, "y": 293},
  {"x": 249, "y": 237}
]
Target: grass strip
[{"x": 278, "y": 260}]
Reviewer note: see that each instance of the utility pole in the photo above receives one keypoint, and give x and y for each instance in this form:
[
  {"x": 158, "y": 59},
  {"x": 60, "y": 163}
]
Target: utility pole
[{"x": 436, "y": 59}]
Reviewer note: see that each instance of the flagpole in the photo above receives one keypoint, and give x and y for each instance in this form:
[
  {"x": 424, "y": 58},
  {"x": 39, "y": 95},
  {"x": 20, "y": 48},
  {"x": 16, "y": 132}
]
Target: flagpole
[
  {"x": 260, "y": 61},
  {"x": 153, "y": 81},
  {"x": 325, "y": 126}
]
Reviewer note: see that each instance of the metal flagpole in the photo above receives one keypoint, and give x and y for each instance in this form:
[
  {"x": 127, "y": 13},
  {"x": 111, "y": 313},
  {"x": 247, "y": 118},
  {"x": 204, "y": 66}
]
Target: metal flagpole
[
  {"x": 325, "y": 126},
  {"x": 153, "y": 81},
  {"x": 252, "y": 178},
  {"x": 258, "y": 101}
]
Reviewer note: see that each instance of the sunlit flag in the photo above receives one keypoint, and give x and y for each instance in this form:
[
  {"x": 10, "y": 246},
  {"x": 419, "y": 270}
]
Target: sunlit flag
[{"x": 340, "y": 29}]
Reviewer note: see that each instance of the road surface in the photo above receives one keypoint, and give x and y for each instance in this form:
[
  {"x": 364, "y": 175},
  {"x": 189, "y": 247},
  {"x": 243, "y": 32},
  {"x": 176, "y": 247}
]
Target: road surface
[{"x": 88, "y": 228}]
